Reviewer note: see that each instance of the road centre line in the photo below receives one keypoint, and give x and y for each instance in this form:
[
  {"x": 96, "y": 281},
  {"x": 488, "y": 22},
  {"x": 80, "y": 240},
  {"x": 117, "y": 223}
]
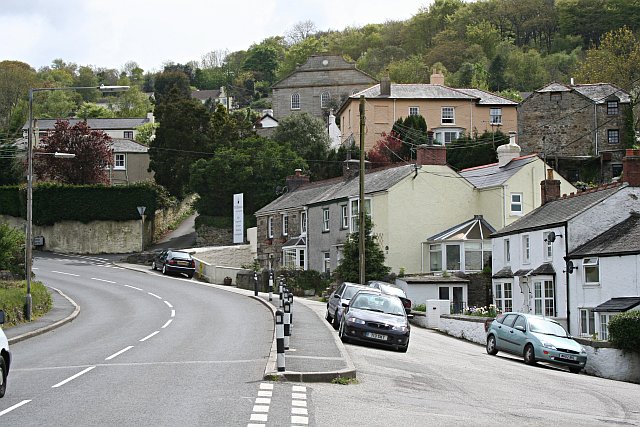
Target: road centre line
[
  {"x": 173, "y": 313},
  {"x": 154, "y": 295},
  {"x": 16, "y": 406},
  {"x": 67, "y": 274},
  {"x": 168, "y": 304},
  {"x": 119, "y": 353},
  {"x": 73, "y": 377},
  {"x": 167, "y": 324},
  {"x": 149, "y": 336},
  {"x": 133, "y": 287},
  {"x": 102, "y": 280}
]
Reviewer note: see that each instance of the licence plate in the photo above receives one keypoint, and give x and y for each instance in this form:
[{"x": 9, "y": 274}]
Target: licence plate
[
  {"x": 375, "y": 336},
  {"x": 183, "y": 263},
  {"x": 567, "y": 356}
]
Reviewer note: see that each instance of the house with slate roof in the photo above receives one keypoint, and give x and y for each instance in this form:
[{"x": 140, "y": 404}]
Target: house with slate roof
[
  {"x": 574, "y": 126},
  {"x": 449, "y": 113},
  {"x": 213, "y": 96},
  {"x": 131, "y": 162},
  {"x": 591, "y": 229}
]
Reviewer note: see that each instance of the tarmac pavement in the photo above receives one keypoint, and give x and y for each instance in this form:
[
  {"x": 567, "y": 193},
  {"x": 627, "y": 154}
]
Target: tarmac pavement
[{"x": 315, "y": 352}]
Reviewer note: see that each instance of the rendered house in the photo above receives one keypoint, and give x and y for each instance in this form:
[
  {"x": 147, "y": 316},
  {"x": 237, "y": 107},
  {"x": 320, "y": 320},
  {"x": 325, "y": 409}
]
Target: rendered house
[
  {"x": 214, "y": 96},
  {"x": 530, "y": 269},
  {"x": 571, "y": 125},
  {"x": 131, "y": 162},
  {"x": 449, "y": 113}
]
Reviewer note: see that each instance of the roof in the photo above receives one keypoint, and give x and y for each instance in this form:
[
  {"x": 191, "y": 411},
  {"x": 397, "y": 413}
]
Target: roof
[
  {"x": 505, "y": 273},
  {"x": 203, "y": 95},
  {"x": 320, "y": 66},
  {"x": 487, "y": 98},
  {"x": 618, "y": 304},
  {"x": 434, "y": 91},
  {"x": 623, "y": 238},
  {"x": 121, "y": 145},
  {"x": 492, "y": 175},
  {"x": 596, "y": 92},
  {"x": 561, "y": 210},
  {"x": 543, "y": 270},
  {"x": 98, "y": 124},
  {"x": 338, "y": 188},
  {"x": 475, "y": 228}
]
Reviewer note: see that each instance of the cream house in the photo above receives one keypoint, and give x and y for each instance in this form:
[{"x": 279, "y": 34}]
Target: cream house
[{"x": 449, "y": 113}]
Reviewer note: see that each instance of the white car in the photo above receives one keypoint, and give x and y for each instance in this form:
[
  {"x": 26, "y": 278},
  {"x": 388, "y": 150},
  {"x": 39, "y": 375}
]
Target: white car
[{"x": 5, "y": 358}]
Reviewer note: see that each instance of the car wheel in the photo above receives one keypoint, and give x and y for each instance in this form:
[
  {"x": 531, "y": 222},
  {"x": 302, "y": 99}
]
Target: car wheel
[
  {"x": 327, "y": 316},
  {"x": 529, "y": 355},
  {"x": 164, "y": 269},
  {"x": 3, "y": 377},
  {"x": 335, "y": 323},
  {"x": 574, "y": 370},
  {"x": 190, "y": 275},
  {"x": 341, "y": 333},
  {"x": 491, "y": 345},
  {"x": 154, "y": 266}
]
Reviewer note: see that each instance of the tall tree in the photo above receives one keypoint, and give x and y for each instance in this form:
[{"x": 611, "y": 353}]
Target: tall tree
[
  {"x": 168, "y": 81},
  {"x": 15, "y": 80},
  {"x": 92, "y": 150}
]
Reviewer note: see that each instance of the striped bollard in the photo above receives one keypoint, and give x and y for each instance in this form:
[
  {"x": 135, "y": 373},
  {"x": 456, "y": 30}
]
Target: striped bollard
[
  {"x": 290, "y": 299},
  {"x": 280, "y": 340},
  {"x": 270, "y": 285},
  {"x": 255, "y": 284},
  {"x": 280, "y": 292},
  {"x": 287, "y": 323}
]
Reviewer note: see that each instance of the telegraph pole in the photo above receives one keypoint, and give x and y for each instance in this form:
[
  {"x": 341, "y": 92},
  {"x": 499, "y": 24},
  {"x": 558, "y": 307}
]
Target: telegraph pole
[{"x": 361, "y": 213}]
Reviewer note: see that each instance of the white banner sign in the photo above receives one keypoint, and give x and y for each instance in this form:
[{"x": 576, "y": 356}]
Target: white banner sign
[{"x": 238, "y": 218}]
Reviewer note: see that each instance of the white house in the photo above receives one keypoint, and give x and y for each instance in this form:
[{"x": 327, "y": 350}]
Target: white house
[{"x": 530, "y": 269}]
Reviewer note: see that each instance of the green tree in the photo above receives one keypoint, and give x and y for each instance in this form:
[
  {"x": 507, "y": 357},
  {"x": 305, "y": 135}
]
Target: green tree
[
  {"x": 349, "y": 268},
  {"x": 132, "y": 103},
  {"x": 263, "y": 61},
  {"x": 468, "y": 152},
  {"x": 11, "y": 168},
  {"x": 91, "y": 110},
  {"x": 409, "y": 70},
  {"x": 15, "y": 80},
  {"x": 11, "y": 249},
  {"x": 298, "y": 54},
  {"x": 168, "y": 81},
  {"x": 146, "y": 133},
  {"x": 87, "y": 78}
]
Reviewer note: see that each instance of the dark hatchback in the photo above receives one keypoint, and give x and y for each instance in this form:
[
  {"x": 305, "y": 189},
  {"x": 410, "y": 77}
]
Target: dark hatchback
[
  {"x": 172, "y": 261},
  {"x": 376, "y": 318}
]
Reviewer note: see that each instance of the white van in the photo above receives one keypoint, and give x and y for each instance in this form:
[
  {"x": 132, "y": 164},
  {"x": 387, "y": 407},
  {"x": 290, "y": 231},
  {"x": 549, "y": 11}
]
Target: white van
[{"x": 5, "y": 358}]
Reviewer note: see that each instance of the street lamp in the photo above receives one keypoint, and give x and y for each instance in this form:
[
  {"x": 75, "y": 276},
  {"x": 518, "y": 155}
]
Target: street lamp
[{"x": 29, "y": 228}]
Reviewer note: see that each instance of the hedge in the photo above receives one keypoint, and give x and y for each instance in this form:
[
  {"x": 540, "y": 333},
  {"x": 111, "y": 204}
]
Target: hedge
[
  {"x": 55, "y": 202},
  {"x": 624, "y": 330}
]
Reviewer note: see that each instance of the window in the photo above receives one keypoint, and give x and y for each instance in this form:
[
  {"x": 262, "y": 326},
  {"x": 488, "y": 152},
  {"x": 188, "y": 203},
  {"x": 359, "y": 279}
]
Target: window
[
  {"x": 325, "y": 100},
  {"x": 446, "y": 136},
  {"x": 495, "y": 116},
  {"x": 591, "y": 271},
  {"x": 616, "y": 169},
  {"x": 344, "y": 216},
  {"x": 548, "y": 247},
  {"x": 516, "y": 204},
  {"x": 325, "y": 219},
  {"x": 473, "y": 256},
  {"x": 270, "y": 227},
  {"x": 503, "y": 297},
  {"x": 355, "y": 211},
  {"x": 326, "y": 266},
  {"x": 507, "y": 250},
  {"x": 612, "y": 108},
  {"x": 587, "y": 322},
  {"x": 544, "y": 298},
  {"x": 128, "y": 134},
  {"x": 294, "y": 258},
  {"x": 435, "y": 257},
  {"x": 414, "y": 111},
  {"x": 604, "y": 327},
  {"x": 453, "y": 257},
  {"x": 443, "y": 292},
  {"x": 613, "y": 136},
  {"x": 556, "y": 96},
  {"x": 119, "y": 161},
  {"x": 295, "y": 101},
  {"x": 448, "y": 115},
  {"x": 285, "y": 224},
  {"x": 303, "y": 222},
  {"x": 526, "y": 249}
]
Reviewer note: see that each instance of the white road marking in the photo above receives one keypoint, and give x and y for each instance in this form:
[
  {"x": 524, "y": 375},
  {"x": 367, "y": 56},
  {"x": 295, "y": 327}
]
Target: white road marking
[
  {"x": 16, "y": 406},
  {"x": 299, "y": 411},
  {"x": 73, "y": 377},
  {"x": 299, "y": 420},
  {"x": 259, "y": 417},
  {"x": 167, "y": 324},
  {"x": 154, "y": 295},
  {"x": 119, "y": 353},
  {"x": 133, "y": 287},
  {"x": 102, "y": 280},
  {"x": 263, "y": 401},
  {"x": 66, "y": 274},
  {"x": 255, "y": 425},
  {"x": 168, "y": 304},
  {"x": 299, "y": 388},
  {"x": 302, "y": 396},
  {"x": 264, "y": 393},
  {"x": 261, "y": 408},
  {"x": 173, "y": 313},
  {"x": 300, "y": 403},
  {"x": 265, "y": 386},
  {"x": 149, "y": 336}
]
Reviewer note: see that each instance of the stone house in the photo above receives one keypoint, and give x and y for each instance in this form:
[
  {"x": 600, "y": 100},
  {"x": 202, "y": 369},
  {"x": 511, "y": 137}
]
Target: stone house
[
  {"x": 448, "y": 112},
  {"x": 317, "y": 86},
  {"x": 573, "y": 125}
]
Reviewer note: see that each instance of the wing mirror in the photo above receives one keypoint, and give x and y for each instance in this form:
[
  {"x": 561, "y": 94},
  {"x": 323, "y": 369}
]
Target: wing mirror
[{"x": 520, "y": 328}]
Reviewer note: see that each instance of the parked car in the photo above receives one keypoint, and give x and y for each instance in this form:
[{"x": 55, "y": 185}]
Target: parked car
[
  {"x": 173, "y": 261},
  {"x": 377, "y": 318},
  {"x": 341, "y": 295},
  {"x": 5, "y": 357},
  {"x": 536, "y": 339},
  {"x": 390, "y": 289}
]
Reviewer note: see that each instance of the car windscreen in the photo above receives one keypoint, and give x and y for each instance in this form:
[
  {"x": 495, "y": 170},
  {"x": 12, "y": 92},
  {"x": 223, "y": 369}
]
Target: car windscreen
[
  {"x": 388, "y": 304},
  {"x": 391, "y": 290},
  {"x": 543, "y": 326},
  {"x": 350, "y": 291}
]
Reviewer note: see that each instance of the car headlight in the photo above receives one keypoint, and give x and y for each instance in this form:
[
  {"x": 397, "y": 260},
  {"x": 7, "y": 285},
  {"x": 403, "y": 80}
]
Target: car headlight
[
  {"x": 355, "y": 320},
  {"x": 548, "y": 345},
  {"x": 401, "y": 328},
  {"x": 583, "y": 350}
]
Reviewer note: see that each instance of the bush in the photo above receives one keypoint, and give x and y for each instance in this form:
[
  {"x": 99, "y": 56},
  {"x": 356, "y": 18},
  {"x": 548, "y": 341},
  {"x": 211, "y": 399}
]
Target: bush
[
  {"x": 11, "y": 249},
  {"x": 420, "y": 307},
  {"x": 304, "y": 280},
  {"x": 481, "y": 311},
  {"x": 12, "y": 301},
  {"x": 624, "y": 330}
]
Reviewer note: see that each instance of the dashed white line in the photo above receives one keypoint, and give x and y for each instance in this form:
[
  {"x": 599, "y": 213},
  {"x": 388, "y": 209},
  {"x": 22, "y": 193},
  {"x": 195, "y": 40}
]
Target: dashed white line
[
  {"x": 167, "y": 324},
  {"x": 265, "y": 393},
  {"x": 299, "y": 403},
  {"x": 16, "y": 406},
  {"x": 119, "y": 353},
  {"x": 299, "y": 412},
  {"x": 168, "y": 304},
  {"x": 149, "y": 336},
  {"x": 265, "y": 386},
  {"x": 66, "y": 274},
  {"x": 302, "y": 396},
  {"x": 133, "y": 287},
  {"x": 73, "y": 377},
  {"x": 299, "y": 420},
  {"x": 102, "y": 280},
  {"x": 261, "y": 408},
  {"x": 154, "y": 295},
  {"x": 173, "y": 313},
  {"x": 259, "y": 417}
]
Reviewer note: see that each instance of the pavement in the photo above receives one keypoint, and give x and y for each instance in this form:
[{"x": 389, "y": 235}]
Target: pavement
[{"x": 315, "y": 352}]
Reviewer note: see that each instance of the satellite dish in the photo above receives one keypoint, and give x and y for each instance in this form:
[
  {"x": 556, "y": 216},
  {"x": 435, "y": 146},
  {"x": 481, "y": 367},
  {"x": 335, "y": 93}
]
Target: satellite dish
[
  {"x": 551, "y": 237},
  {"x": 570, "y": 266}
]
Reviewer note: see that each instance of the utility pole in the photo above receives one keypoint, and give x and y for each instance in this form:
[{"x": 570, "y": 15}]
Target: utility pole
[{"x": 361, "y": 213}]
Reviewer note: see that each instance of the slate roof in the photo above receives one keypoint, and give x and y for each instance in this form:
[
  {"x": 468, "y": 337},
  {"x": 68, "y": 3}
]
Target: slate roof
[
  {"x": 559, "y": 211},
  {"x": 338, "y": 188},
  {"x": 477, "y": 222},
  {"x": 97, "y": 124},
  {"x": 491, "y": 175},
  {"x": 505, "y": 273},
  {"x": 433, "y": 279},
  {"x": 619, "y": 304},
  {"x": 545, "y": 269},
  {"x": 121, "y": 145},
  {"x": 623, "y": 238},
  {"x": 203, "y": 95},
  {"x": 488, "y": 98},
  {"x": 323, "y": 74},
  {"x": 596, "y": 92},
  {"x": 434, "y": 91}
]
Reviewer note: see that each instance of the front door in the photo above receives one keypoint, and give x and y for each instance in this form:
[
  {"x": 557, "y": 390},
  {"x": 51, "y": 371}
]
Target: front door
[{"x": 458, "y": 300}]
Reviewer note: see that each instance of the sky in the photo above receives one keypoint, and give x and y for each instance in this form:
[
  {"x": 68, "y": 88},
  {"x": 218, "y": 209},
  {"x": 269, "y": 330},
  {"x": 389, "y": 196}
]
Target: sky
[{"x": 109, "y": 33}]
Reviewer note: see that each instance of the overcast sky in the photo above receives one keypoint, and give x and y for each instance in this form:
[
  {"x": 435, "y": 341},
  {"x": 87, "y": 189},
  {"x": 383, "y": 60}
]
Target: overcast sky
[{"x": 108, "y": 33}]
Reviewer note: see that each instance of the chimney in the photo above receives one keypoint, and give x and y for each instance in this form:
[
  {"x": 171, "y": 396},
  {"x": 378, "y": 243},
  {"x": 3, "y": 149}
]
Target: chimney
[
  {"x": 431, "y": 155},
  {"x": 436, "y": 78},
  {"x": 150, "y": 118},
  {"x": 294, "y": 181},
  {"x": 550, "y": 188},
  {"x": 508, "y": 152},
  {"x": 631, "y": 168},
  {"x": 385, "y": 86}
]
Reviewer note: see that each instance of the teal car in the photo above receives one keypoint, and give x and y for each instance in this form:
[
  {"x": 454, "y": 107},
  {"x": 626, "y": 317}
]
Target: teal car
[{"x": 536, "y": 339}]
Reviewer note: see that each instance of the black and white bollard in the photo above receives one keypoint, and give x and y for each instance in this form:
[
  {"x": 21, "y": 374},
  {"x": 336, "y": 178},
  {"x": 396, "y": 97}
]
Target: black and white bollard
[
  {"x": 280, "y": 340},
  {"x": 255, "y": 284},
  {"x": 290, "y": 299},
  {"x": 270, "y": 285},
  {"x": 281, "y": 291},
  {"x": 287, "y": 323}
]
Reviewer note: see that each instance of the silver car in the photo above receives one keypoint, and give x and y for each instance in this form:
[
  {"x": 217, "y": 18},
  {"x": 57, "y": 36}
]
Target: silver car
[{"x": 343, "y": 294}]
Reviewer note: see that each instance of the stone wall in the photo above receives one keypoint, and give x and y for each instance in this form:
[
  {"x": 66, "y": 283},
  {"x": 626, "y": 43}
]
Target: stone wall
[{"x": 210, "y": 236}]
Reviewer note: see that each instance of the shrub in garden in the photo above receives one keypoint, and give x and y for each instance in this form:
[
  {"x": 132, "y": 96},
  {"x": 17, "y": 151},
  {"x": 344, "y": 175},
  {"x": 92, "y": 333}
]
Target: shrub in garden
[{"x": 624, "y": 330}]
